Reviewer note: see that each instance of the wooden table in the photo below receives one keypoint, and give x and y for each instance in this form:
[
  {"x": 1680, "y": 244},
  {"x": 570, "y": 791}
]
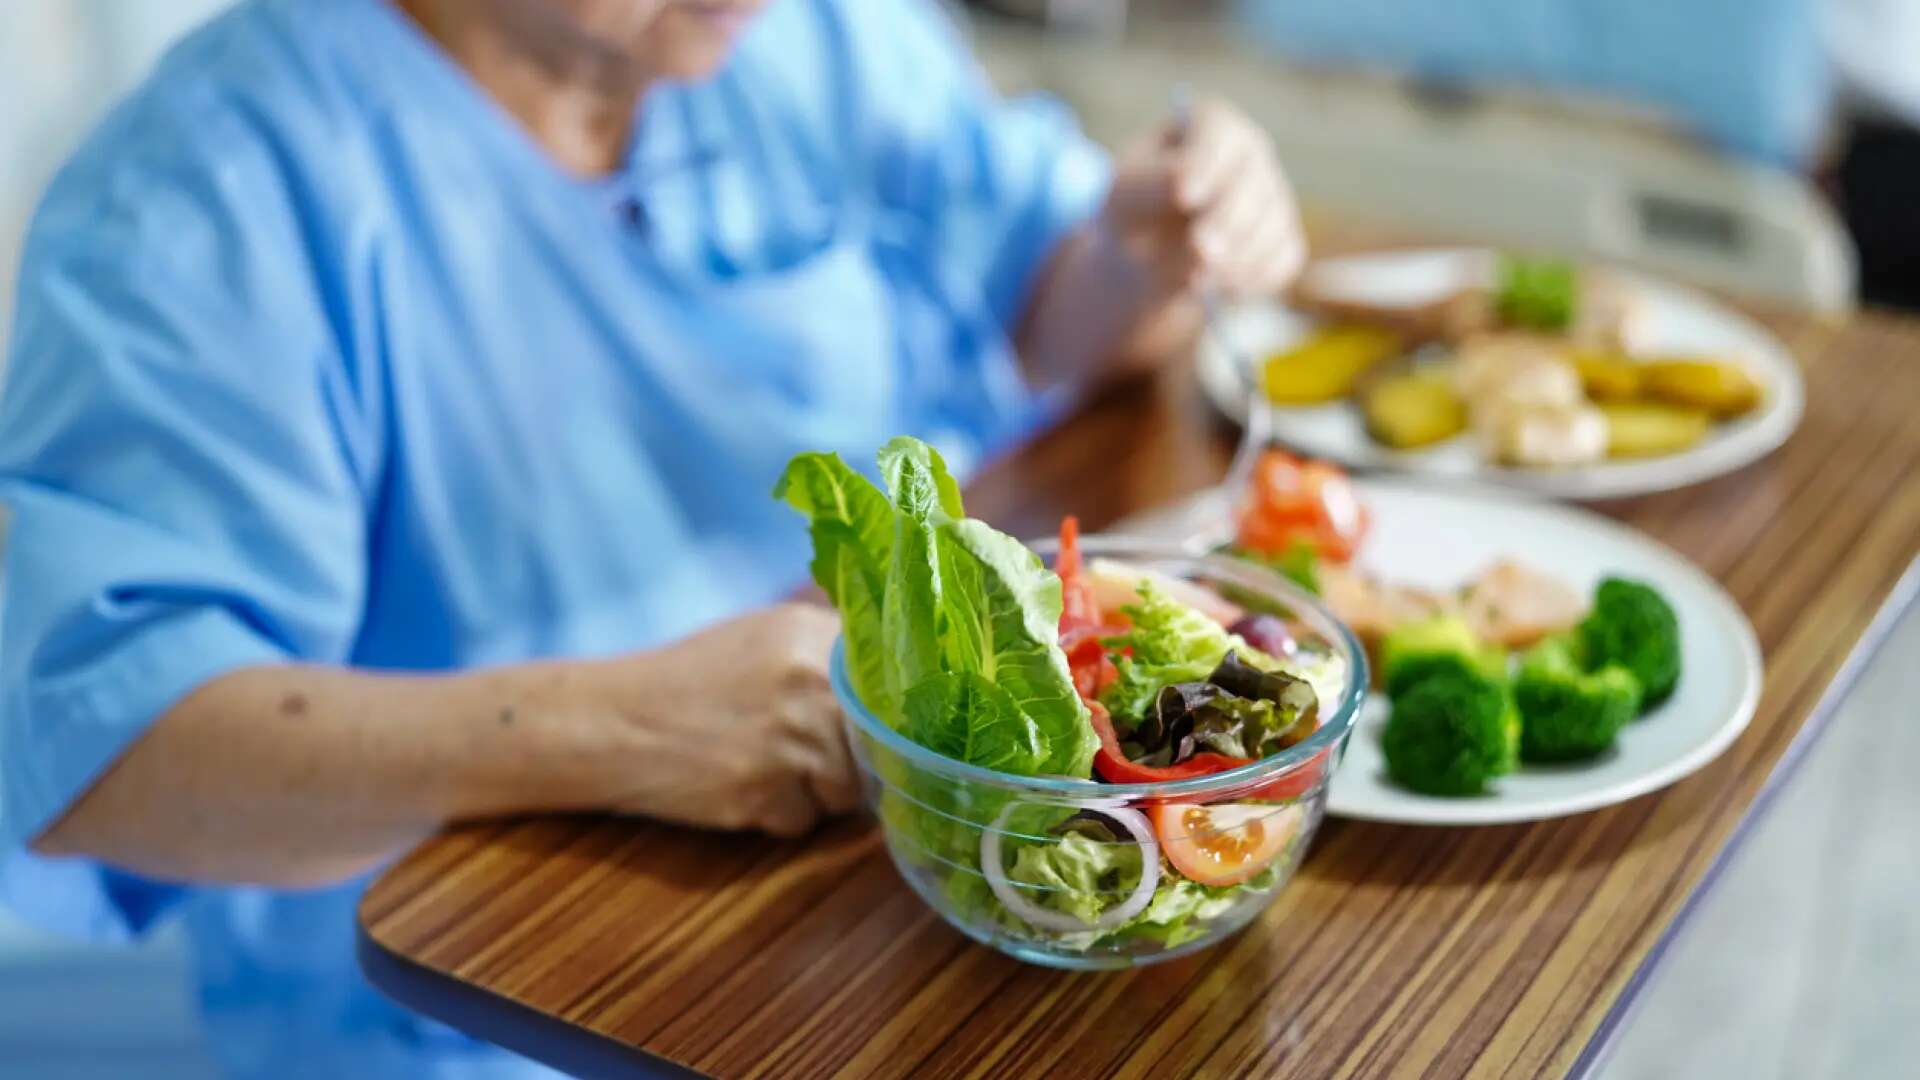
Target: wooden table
[{"x": 620, "y": 947}]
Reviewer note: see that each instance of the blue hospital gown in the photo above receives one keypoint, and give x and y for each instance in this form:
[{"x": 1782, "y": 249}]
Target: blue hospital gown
[{"x": 318, "y": 358}]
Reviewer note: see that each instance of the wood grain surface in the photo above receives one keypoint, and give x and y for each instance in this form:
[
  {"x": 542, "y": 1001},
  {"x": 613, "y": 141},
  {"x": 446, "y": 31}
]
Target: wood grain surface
[{"x": 1396, "y": 951}]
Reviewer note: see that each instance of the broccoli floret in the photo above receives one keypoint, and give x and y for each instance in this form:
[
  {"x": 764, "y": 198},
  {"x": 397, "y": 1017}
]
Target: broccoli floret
[
  {"x": 1416, "y": 651},
  {"x": 1633, "y": 626},
  {"x": 1566, "y": 712},
  {"x": 1451, "y": 733}
]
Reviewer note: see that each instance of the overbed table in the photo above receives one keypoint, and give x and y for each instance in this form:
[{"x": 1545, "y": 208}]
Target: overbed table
[{"x": 614, "y": 947}]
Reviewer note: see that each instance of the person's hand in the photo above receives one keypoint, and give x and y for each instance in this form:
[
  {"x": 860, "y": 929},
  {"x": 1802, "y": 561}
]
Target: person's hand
[
  {"x": 736, "y": 727},
  {"x": 1206, "y": 201}
]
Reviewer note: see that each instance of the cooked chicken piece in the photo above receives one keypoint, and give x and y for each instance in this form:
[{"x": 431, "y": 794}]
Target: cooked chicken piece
[
  {"x": 1370, "y": 607},
  {"x": 1547, "y": 435},
  {"x": 1607, "y": 315},
  {"x": 1515, "y": 369},
  {"x": 1516, "y": 606}
]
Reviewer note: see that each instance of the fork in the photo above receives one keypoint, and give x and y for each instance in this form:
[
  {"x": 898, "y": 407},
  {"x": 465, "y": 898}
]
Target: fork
[{"x": 1257, "y": 430}]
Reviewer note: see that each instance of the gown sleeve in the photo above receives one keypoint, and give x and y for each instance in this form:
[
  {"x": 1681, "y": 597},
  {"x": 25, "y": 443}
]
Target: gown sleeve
[
  {"x": 185, "y": 464},
  {"x": 996, "y": 183}
]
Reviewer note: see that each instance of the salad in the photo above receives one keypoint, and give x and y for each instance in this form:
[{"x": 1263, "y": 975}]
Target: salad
[{"x": 959, "y": 638}]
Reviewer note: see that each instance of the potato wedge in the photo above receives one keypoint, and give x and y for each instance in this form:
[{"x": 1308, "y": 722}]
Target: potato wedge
[
  {"x": 1607, "y": 376},
  {"x": 1717, "y": 386},
  {"x": 1326, "y": 365},
  {"x": 1414, "y": 409},
  {"x": 1646, "y": 429}
]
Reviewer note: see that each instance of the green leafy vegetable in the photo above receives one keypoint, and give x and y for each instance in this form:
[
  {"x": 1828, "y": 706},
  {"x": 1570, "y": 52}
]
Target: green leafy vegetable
[
  {"x": 1002, "y": 611},
  {"x": 923, "y": 494},
  {"x": 1537, "y": 294},
  {"x": 1240, "y": 711},
  {"x": 1077, "y": 874},
  {"x": 1088, "y": 881},
  {"x": 944, "y": 618},
  {"x": 851, "y": 524},
  {"x": 1171, "y": 643},
  {"x": 968, "y": 718},
  {"x": 1167, "y": 633}
]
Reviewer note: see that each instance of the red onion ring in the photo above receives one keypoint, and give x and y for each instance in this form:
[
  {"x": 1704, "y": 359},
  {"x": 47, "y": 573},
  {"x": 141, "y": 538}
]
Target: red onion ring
[{"x": 1059, "y": 921}]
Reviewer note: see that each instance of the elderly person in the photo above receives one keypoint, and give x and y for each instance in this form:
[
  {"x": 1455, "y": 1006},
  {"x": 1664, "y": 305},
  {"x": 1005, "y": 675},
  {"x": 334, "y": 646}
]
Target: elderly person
[{"x": 395, "y": 394}]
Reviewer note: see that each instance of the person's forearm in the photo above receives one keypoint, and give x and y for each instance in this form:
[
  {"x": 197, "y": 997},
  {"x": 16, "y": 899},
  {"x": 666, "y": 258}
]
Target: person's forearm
[
  {"x": 298, "y": 776},
  {"x": 1091, "y": 307}
]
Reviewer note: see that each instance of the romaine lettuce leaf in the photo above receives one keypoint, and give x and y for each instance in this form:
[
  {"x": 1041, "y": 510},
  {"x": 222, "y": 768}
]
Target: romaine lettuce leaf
[
  {"x": 851, "y": 524},
  {"x": 923, "y": 492},
  {"x": 947, "y": 613},
  {"x": 967, "y": 718},
  {"x": 1002, "y": 608}
]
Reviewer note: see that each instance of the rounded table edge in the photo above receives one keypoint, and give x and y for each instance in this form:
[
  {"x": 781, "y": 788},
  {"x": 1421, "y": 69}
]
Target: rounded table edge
[
  {"x": 1901, "y": 600},
  {"x": 502, "y": 1021}
]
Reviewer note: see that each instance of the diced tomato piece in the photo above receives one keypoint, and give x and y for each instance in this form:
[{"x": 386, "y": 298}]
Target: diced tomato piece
[{"x": 1292, "y": 500}]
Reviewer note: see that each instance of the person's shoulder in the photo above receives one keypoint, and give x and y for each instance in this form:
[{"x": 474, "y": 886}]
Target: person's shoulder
[{"x": 241, "y": 116}]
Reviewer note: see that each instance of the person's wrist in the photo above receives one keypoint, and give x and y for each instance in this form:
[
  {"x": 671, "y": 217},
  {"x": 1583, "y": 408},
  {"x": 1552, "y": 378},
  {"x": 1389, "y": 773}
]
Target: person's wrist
[
  {"x": 549, "y": 737},
  {"x": 1117, "y": 270}
]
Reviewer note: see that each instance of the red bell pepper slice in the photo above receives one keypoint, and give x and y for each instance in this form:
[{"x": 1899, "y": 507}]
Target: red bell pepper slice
[
  {"x": 1112, "y": 765},
  {"x": 1080, "y": 625}
]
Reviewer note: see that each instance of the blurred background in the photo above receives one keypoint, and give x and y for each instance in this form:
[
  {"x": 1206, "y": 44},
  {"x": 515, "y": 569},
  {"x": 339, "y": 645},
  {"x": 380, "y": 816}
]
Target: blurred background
[{"x": 1762, "y": 148}]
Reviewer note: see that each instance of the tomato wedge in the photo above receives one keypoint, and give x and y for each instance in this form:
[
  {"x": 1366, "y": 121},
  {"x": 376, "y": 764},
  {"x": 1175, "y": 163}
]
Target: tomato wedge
[
  {"x": 1225, "y": 843},
  {"x": 1292, "y": 500}
]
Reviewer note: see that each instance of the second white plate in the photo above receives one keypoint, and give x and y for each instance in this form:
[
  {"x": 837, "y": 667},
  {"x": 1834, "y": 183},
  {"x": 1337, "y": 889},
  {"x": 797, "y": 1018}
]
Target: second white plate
[{"x": 1674, "y": 320}]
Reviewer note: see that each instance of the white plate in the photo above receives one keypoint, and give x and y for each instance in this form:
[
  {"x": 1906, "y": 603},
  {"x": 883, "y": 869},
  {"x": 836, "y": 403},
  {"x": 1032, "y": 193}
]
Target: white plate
[
  {"x": 1439, "y": 538},
  {"x": 1672, "y": 320}
]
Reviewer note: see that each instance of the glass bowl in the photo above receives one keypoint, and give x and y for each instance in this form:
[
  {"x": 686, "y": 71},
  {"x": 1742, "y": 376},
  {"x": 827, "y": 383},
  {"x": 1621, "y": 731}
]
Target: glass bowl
[{"x": 1089, "y": 874}]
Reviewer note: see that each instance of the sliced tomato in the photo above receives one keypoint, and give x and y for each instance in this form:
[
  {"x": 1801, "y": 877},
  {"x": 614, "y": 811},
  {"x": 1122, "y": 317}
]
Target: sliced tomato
[
  {"x": 1225, "y": 843},
  {"x": 1291, "y": 500}
]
